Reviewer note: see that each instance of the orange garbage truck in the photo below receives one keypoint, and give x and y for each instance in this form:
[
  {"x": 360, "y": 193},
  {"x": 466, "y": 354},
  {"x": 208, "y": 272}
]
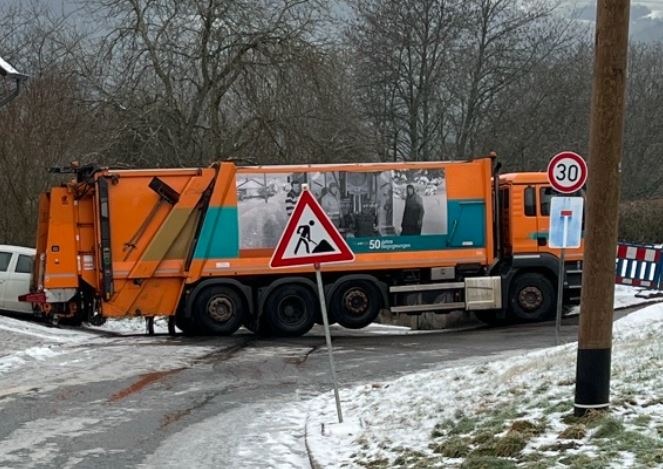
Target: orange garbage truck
[{"x": 194, "y": 244}]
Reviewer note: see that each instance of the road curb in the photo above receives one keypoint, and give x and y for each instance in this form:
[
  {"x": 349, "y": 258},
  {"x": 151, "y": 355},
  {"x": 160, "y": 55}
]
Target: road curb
[{"x": 315, "y": 464}]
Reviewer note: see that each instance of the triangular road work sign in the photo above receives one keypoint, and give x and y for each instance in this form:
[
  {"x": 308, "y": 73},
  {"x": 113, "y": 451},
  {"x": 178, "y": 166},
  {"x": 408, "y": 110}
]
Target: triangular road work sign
[{"x": 310, "y": 237}]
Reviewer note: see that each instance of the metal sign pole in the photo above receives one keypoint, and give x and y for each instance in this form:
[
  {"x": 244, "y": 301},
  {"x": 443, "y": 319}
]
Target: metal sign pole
[
  {"x": 560, "y": 281},
  {"x": 325, "y": 320}
]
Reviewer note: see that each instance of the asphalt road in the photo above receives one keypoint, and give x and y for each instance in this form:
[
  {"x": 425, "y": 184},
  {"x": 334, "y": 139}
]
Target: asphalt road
[{"x": 87, "y": 399}]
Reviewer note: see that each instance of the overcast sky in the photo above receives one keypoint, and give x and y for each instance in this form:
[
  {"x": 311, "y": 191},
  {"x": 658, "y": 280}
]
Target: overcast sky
[
  {"x": 645, "y": 25},
  {"x": 68, "y": 4}
]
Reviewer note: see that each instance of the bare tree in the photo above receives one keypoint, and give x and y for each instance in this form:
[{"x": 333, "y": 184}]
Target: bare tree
[
  {"x": 641, "y": 166},
  {"x": 542, "y": 113},
  {"x": 402, "y": 50},
  {"x": 502, "y": 42},
  {"x": 49, "y": 124},
  {"x": 303, "y": 111},
  {"x": 172, "y": 65}
]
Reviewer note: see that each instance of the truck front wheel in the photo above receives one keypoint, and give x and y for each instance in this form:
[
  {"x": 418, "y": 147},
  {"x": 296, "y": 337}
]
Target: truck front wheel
[
  {"x": 355, "y": 303},
  {"x": 291, "y": 309},
  {"x": 219, "y": 310},
  {"x": 532, "y": 297}
]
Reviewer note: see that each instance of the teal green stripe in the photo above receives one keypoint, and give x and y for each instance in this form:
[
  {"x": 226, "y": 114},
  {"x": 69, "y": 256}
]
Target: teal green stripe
[
  {"x": 538, "y": 234},
  {"x": 219, "y": 237},
  {"x": 466, "y": 229},
  {"x": 467, "y": 223}
]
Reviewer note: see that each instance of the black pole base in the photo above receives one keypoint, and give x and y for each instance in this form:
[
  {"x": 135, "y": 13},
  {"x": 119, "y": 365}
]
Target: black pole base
[{"x": 592, "y": 381}]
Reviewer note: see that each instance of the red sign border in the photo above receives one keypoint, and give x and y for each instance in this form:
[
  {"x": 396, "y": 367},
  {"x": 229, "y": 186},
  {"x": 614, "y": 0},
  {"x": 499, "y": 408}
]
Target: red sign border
[
  {"x": 583, "y": 170},
  {"x": 345, "y": 255}
]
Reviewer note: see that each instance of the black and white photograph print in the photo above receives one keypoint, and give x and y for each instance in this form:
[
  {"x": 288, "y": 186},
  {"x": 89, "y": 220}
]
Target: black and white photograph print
[
  {"x": 264, "y": 203},
  {"x": 420, "y": 202},
  {"x": 361, "y": 204}
]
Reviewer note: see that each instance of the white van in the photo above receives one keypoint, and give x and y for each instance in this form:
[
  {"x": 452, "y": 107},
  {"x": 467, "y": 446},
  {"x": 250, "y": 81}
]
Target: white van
[{"x": 15, "y": 272}]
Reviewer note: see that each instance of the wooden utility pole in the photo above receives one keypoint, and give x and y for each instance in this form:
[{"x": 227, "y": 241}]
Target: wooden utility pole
[{"x": 605, "y": 149}]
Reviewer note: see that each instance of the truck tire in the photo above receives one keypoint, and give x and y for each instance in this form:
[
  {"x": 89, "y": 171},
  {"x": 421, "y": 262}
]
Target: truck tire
[
  {"x": 355, "y": 303},
  {"x": 291, "y": 309},
  {"x": 258, "y": 327},
  {"x": 219, "y": 310},
  {"x": 490, "y": 318},
  {"x": 186, "y": 325},
  {"x": 532, "y": 297}
]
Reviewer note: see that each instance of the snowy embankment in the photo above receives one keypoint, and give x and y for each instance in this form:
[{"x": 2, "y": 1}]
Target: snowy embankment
[{"x": 515, "y": 411}]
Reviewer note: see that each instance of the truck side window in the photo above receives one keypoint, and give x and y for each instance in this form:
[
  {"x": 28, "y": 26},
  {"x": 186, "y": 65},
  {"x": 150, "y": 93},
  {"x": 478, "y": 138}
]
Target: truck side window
[
  {"x": 5, "y": 257},
  {"x": 530, "y": 202},
  {"x": 546, "y": 194},
  {"x": 24, "y": 264}
]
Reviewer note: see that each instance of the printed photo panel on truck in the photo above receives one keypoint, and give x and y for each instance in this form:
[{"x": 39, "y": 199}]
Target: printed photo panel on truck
[{"x": 376, "y": 211}]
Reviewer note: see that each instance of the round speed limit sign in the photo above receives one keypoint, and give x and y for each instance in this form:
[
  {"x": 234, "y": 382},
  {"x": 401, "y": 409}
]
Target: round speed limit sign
[{"x": 567, "y": 172}]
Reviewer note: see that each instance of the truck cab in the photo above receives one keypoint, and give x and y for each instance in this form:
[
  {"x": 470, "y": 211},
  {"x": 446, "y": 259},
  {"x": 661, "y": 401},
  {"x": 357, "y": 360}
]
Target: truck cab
[{"x": 524, "y": 216}]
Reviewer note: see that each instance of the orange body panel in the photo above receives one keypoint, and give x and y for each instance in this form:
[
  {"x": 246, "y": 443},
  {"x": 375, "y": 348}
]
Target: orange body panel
[
  {"x": 61, "y": 268},
  {"x": 151, "y": 238}
]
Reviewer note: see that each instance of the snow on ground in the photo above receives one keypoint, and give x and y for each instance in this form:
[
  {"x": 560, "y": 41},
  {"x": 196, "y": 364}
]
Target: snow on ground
[
  {"x": 246, "y": 437},
  {"x": 132, "y": 326},
  {"x": 35, "y": 357},
  {"x": 515, "y": 410},
  {"x": 626, "y": 297}
]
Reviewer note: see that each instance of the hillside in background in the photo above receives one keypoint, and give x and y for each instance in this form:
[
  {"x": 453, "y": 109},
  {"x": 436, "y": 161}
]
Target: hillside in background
[{"x": 646, "y": 18}]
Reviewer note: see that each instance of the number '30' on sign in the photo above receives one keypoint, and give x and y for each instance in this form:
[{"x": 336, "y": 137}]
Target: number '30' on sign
[{"x": 567, "y": 172}]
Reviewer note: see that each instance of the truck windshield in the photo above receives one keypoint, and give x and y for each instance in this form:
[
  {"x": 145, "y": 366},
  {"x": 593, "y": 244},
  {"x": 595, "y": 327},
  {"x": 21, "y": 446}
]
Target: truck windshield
[{"x": 547, "y": 193}]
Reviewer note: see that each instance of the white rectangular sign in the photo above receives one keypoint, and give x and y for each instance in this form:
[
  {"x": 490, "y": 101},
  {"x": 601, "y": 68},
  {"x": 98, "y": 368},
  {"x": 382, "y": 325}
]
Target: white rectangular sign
[{"x": 565, "y": 222}]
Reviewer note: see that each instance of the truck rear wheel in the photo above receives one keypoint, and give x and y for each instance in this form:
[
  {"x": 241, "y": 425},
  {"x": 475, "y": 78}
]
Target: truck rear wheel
[
  {"x": 219, "y": 310},
  {"x": 355, "y": 303},
  {"x": 291, "y": 309},
  {"x": 532, "y": 297}
]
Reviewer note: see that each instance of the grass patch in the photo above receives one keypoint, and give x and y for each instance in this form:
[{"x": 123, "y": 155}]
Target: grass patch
[
  {"x": 410, "y": 457},
  {"x": 609, "y": 428},
  {"x": 647, "y": 451},
  {"x": 510, "y": 445},
  {"x": 536, "y": 461},
  {"x": 487, "y": 462},
  {"x": 453, "y": 447},
  {"x": 642, "y": 420},
  {"x": 497, "y": 418},
  {"x": 558, "y": 407},
  {"x": 560, "y": 446},
  {"x": 582, "y": 461},
  {"x": 378, "y": 463},
  {"x": 482, "y": 437},
  {"x": 576, "y": 431},
  {"x": 440, "y": 429},
  {"x": 528, "y": 428},
  {"x": 591, "y": 419},
  {"x": 463, "y": 426}
]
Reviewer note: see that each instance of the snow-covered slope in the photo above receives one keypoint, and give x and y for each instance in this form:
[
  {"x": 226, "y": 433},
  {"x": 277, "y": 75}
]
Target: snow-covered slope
[{"x": 515, "y": 411}]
